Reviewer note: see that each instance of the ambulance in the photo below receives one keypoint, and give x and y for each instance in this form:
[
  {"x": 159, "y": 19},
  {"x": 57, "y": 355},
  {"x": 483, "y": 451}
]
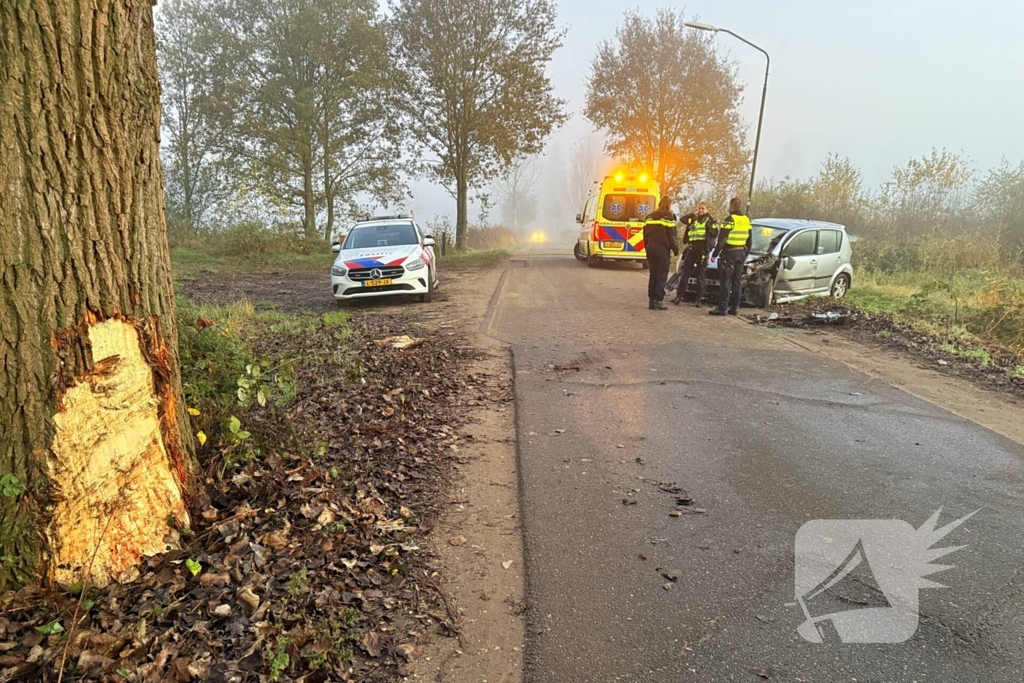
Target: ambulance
[{"x": 613, "y": 219}]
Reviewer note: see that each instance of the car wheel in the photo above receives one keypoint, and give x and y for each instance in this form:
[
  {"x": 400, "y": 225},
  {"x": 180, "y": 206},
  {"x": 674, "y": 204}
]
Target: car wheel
[
  {"x": 841, "y": 286},
  {"x": 591, "y": 261},
  {"x": 577, "y": 253},
  {"x": 429, "y": 296},
  {"x": 766, "y": 294}
]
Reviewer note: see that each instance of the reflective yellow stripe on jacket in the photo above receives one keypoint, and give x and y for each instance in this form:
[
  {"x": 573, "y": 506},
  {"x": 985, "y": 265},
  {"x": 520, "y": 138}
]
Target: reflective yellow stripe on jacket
[
  {"x": 659, "y": 221},
  {"x": 698, "y": 230},
  {"x": 740, "y": 231}
]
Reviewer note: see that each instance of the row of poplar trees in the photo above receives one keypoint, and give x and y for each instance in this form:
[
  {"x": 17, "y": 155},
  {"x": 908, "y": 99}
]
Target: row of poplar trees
[{"x": 307, "y": 107}]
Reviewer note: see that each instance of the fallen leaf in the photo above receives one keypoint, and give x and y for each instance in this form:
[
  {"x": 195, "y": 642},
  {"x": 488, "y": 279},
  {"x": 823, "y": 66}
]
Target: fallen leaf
[
  {"x": 675, "y": 513},
  {"x": 485, "y": 597},
  {"x": 766, "y": 671},
  {"x": 668, "y": 586},
  {"x": 410, "y": 651},
  {"x": 458, "y": 540},
  {"x": 506, "y": 564},
  {"x": 249, "y": 600},
  {"x": 765, "y": 619},
  {"x": 373, "y": 641},
  {"x": 642, "y": 556},
  {"x": 629, "y": 501}
]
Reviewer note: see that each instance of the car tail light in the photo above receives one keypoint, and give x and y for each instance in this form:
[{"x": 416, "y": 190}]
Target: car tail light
[{"x": 596, "y": 232}]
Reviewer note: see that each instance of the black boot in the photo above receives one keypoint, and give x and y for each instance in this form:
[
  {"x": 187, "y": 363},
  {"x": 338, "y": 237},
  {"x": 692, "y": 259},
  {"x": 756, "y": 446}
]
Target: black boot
[
  {"x": 650, "y": 304},
  {"x": 658, "y": 305}
]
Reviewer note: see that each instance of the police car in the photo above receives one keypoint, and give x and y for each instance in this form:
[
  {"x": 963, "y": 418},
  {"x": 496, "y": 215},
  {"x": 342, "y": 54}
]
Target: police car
[{"x": 384, "y": 256}]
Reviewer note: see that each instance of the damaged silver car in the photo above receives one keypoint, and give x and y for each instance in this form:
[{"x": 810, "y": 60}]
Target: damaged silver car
[{"x": 790, "y": 259}]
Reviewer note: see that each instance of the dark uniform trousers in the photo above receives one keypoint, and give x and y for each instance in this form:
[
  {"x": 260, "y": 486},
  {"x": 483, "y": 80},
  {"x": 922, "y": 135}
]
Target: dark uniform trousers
[
  {"x": 730, "y": 269},
  {"x": 695, "y": 264},
  {"x": 658, "y": 260}
]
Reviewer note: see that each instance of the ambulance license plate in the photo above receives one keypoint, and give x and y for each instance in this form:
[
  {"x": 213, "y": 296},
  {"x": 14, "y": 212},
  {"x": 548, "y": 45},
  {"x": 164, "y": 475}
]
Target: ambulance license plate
[
  {"x": 611, "y": 246},
  {"x": 376, "y": 283}
]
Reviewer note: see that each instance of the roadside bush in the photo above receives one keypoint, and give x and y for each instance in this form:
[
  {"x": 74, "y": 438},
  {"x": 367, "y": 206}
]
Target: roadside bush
[
  {"x": 252, "y": 240},
  {"x": 491, "y": 237}
]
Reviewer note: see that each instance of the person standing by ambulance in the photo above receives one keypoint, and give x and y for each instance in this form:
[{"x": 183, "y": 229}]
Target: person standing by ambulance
[
  {"x": 698, "y": 234},
  {"x": 731, "y": 249},
  {"x": 659, "y": 240}
]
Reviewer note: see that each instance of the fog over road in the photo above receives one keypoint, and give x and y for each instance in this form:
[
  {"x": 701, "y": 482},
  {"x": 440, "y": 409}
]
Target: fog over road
[{"x": 765, "y": 437}]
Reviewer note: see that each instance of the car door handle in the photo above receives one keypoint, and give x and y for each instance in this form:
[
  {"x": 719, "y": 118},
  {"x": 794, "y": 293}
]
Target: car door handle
[{"x": 814, "y": 262}]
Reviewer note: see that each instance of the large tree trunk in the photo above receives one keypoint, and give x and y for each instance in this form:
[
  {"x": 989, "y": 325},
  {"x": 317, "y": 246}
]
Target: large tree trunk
[{"x": 91, "y": 415}]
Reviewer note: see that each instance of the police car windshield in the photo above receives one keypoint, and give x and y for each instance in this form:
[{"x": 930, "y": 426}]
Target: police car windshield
[
  {"x": 627, "y": 207},
  {"x": 387, "y": 235},
  {"x": 763, "y": 239}
]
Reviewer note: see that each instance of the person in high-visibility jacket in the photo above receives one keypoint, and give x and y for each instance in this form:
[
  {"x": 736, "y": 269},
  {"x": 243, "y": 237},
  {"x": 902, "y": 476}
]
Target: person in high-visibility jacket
[
  {"x": 731, "y": 250},
  {"x": 659, "y": 240},
  {"x": 699, "y": 233}
]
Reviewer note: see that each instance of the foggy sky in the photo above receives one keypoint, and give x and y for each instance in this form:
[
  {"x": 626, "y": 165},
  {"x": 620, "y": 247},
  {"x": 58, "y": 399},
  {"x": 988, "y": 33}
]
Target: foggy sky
[{"x": 880, "y": 82}]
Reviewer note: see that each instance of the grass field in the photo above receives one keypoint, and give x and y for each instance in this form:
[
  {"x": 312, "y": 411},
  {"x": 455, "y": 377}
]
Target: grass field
[{"x": 966, "y": 289}]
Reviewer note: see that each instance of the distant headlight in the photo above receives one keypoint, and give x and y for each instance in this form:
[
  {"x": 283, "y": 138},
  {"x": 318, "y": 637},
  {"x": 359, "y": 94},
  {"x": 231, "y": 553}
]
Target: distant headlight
[
  {"x": 338, "y": 270},
  {"x": 415, "y": 265}
]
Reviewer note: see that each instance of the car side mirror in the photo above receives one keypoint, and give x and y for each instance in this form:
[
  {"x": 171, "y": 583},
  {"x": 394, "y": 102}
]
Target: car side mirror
[
  {"x": 335, "y": 247},
  {"x": 428, "y": 241},
  {"x": 788, "y": 262},
  {"x": 579, "y": 218}
]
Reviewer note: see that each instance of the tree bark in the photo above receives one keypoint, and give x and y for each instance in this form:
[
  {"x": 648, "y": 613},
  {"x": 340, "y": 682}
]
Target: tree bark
[
  {"x": 92, "y": 420},
  {"x": 462, "y": 210},
  {"x": 309, "y": 216}
]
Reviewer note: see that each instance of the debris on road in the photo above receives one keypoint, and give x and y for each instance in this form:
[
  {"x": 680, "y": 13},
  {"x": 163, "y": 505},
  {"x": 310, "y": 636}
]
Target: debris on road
[{"x": 813, "y": 318}]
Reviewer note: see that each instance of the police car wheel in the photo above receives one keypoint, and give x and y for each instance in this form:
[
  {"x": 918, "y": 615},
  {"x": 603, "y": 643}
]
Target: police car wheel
[{"x": 429, "y": 296}]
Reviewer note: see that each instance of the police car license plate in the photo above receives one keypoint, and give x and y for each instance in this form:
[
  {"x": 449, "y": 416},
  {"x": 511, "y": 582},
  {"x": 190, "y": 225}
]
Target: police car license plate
[
  {"x": 376, "y": 283},
  {"x": 611, "y": 246}
]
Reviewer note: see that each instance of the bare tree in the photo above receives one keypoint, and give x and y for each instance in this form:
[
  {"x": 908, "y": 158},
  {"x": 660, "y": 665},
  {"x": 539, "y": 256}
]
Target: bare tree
[
  {"x": 94, "y": 439},
  {"x": 581, "y": 170},
  {"x": 516, "y": 191},
  {"x": 668, "y": 102}
]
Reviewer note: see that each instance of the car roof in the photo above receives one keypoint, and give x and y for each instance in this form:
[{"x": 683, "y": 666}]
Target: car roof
[
  {"x": 382, "y": 221},
  {"x": 795, "y": 223}
]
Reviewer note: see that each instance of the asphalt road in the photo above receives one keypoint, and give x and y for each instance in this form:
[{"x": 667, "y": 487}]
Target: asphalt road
[{"x": 764, "y": 437}]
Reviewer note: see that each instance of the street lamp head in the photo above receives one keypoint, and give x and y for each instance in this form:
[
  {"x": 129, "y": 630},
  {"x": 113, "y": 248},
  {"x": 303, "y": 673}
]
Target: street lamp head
[{"x": 701, "y": 27}]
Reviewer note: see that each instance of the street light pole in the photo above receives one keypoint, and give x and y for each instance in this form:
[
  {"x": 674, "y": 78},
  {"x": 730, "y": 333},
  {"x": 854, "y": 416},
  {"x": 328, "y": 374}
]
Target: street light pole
[{"x": 764, "y": 92}]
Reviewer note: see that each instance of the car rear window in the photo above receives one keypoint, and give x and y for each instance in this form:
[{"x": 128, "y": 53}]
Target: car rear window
[
  {"x": 390, "y": 235},
  {"x": 829, "y": 241},
  {"x": 626, "y": 207}
]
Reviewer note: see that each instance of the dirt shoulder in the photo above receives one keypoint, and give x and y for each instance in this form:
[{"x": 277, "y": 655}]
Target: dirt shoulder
[
  {"x": 918, "y": 363},
  {"x": 478, "y": 540}
]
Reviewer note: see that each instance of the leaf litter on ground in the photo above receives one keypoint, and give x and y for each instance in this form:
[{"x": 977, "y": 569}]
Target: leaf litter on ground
[{"x": 302, "y": 563}]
